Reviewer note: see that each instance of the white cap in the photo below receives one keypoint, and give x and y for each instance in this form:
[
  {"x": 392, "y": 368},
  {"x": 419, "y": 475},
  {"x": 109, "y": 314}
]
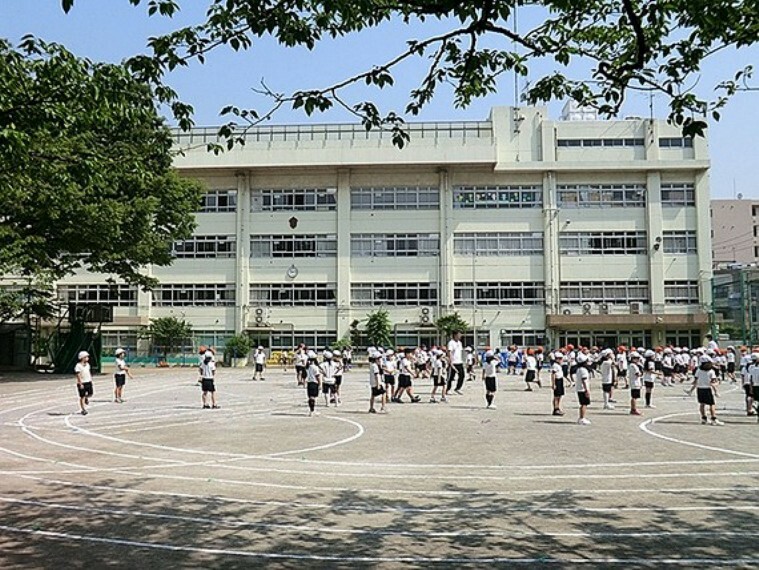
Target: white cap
[
  {"x": 607, "y": 352},
  {"x": 468, "y": 349},
  {"x": 338, "y": 353},
  {"x": 390, "y": 352},
  {"x": 311, "y": 354},
  {"x": 488, "y": 354},
  {"x": 634, "y": 355},
  {"x": 260, "y": 348},
  {"x": 558, "y": 354},
  {"x": 327, "y": 354},
  {"x": 704, "y": 358},
  {"x": 582, "y": 357},
  {"x": 755, "y": 356},
  {"x": 120, "y": 351},
  {"x": 649, "y": 353},
  {"x": 82, "y": 354}
]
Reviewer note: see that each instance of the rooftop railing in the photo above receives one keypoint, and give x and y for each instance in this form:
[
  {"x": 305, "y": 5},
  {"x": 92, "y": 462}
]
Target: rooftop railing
[{"x": 339, "y": 132}]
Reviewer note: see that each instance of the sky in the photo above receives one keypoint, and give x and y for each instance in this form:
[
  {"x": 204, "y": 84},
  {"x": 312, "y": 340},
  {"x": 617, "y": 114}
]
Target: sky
[{"x": 111, "y": 30}]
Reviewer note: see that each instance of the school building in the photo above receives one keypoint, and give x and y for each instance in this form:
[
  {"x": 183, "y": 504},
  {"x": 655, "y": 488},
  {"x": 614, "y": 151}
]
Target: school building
[{"x": 536, "y": 231}]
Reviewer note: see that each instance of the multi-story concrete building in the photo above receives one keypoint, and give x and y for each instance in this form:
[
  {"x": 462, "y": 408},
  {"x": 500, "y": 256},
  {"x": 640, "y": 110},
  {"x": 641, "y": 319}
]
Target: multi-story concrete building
[
  {"x": 735, "y": 232},
  {"x": 535, "y": 231}
]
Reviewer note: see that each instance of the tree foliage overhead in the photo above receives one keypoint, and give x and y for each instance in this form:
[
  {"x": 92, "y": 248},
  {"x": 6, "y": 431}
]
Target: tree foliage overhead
[
  {"x": 86, "y": 175},
  {"x": 657, "y": 45}
]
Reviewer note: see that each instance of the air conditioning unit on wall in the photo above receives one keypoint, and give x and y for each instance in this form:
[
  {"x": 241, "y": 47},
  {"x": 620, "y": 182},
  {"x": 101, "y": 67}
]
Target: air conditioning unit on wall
[
  {"x": 425, "y": 316},
  {"x": 603, "y": 309},
  {"x": 635, "y": 308}
]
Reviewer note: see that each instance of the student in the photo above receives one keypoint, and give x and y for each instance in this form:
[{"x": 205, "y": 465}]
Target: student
[
  {"x": 347, "y": 359},
  {"x": 259, "y": 359},
  {"x": 635, "y": 375},
  {"x": 120, "y": 376},
  {"x": 607, "y": 370},
  {"x": 337, "y": 357},
  {"x": 730, "y": 357},
  {"x": 313, "y": 382},
  {"x": 753, "y": 372},
  {"x": 539, "y": 359},
  {"x": 301, "y": 364},
  {"x": 375, "y": 384},
  {"x": 668, "y": 367},
  {"x": 470, "y": 361},
  {"x": 706, "y": 384},
  {"x": 622, "y": 365},
  {"x": 83, "y": 380},
  {"x": 455, "y": 354},
  {"x": 328, "y": 370},
  {"x": 531, "y": 365},
  {"x": 207, "y": 377},
  {"x": 389, "y": 367},
  {"x": 557, "y": 382},
  {"x": 404, "y": 379},
  {"x": 649, "y": 376},
  {"x": 582, "y": 385},
  {"x": 513, "y": 359},
  {"x": 489, "y": 370},
  {"x": 439, "y": 374}
]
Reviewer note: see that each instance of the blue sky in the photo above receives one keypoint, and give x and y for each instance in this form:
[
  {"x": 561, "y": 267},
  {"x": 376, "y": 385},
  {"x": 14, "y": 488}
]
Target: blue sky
[{"x": 111, "y": 30}]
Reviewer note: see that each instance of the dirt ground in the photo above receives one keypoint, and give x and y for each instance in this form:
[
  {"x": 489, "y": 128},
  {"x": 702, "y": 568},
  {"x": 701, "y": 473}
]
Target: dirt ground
[{"x": 158, "y": 482}]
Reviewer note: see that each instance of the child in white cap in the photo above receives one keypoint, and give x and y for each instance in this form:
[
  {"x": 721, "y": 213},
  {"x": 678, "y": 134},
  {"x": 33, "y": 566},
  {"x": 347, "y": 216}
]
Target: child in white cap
[
  {"x": 83, "y": 380},
  {"x": 260, "y": 362},
  {"x": 120, "y": 375}
]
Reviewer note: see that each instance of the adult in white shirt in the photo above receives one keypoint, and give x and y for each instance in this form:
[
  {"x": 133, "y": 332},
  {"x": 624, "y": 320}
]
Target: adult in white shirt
[
  {"x": 83, "y": 380},
  {"x": 455, "y": 351}
]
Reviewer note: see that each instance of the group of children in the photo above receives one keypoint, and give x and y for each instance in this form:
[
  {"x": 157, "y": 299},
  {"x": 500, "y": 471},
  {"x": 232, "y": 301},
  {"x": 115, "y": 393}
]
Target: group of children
[{"x": 391, "y": 375}]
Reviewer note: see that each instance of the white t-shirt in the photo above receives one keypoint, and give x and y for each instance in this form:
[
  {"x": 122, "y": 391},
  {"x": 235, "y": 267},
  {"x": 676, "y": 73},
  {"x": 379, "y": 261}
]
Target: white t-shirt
[
  {"x": 260, "y": 357},
  {"x": 621, "y": 361},
  {"x": 456, "y": 350},
  {"x": 207, "y": 369},
  {"x": 753, "y": 372},
  {"x": 83, "y": 370},
  {"x": 329, "y": 370},
  {"x": 582, "y": 374},
  {"x": 312, "y": 373},
  {"x": 374, "y": 375},
  {"x": 121, "y": 367},
  {"x": 490, "y": 369},
  {"x": 704, "y": 378},
  {"x": 531, "y": 363},
  {"x": 607, "y": 375},
  {"x": 634, "y": 376},
  {"x": 712, "y": 345},
  {"x": 648, "y": 371},
  {"x": 405, "y": 366},
  {"x": 389, "y": 366},
  {"x": 557, "y": 371}
]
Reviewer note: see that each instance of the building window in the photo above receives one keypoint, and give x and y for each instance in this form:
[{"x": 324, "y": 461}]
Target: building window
[
  {"x": 219, "y": 201},
  {"x": 681, "y": 292},
  {"x": 395, "y": 245},
  {"x": 215, "y": 339},
  {"x": 605, "y": 339},
  {"x": 497, "y": 197},
  {"x": 598, "y": 195},
  {"x": 205, "y": 246},
  {"x": 684, "y": 338},
  {"x": 195, "y": 295},
  {"x": 293, "y": 294},
  {"x": 677, "y": 195},
  {"x": 609, "y": 292},
  {"x": 680, "y": 242},
  {"x": 498, "y": 293},
  {"x": 498, "y": 243},
  {"x": 676, "y": 142},
  {"x": 293, "y": 199},
  {"x": 602, "y": 243},
  {"x": 314, "y": 245},
  {"x": 113, "y": 339},
  {"x": 113, "y": 295},
  {"x": 395, "y": 198},
  {"x": 290, "y": 339},
  {"x": 393, "y": 294},
  {"x": 522, "y": 338},
  {"x": 587, "y": 143}
]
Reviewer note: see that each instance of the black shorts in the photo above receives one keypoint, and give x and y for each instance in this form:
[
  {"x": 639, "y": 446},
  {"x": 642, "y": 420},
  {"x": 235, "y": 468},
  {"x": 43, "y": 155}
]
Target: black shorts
[
  {"x": 85, "y": 390},
  {"x": 312, "y": 389},
  {"x": 747, "y": 389},
  {"x": 558, "y": 391},
  {"x": 658, "y": 366},
  {"x": 328, "y": 388},
  {"x": 377, "y": 391},
  {"x": 755, "y": 392},
  {"x": 583, "y": 398},
  {"x": 573, "y": 369},
  {"x": 565, "y": 370},
  {"x": 705, "y": 396},
  {"x": 668, "y": 372},
  {"x": 679, "y": 368},
  {"x": 621, "y": 373},
  {"x": 300, "y": 371},
  {"x": 120, "y": 379},
  {"x": 389, "y": 379},
  {"x": 404, "y": 381},
  {"x": 259, "y": 367},
  {"x": 635, "y": 393},
  {"x": 420, "y": 367},
  {"x": 606, "y": 388},
  {"x": 490, "y": 384},
  {"x": 530, "y": 376},
  {"x": 648, "y": 384},
  {"x": 731, "y": 367},
  {"x": 338, "y": 381},
  {"x": 439, "y": 380},
  {"x": 207, "y": 385}
]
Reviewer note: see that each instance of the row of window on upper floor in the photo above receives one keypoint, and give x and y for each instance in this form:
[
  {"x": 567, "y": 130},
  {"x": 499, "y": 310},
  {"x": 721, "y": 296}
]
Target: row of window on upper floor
[
  {"x": 664, "y": 142},
  {"x": 678, "y": 194},
  {"x": 428, "y": 244}
]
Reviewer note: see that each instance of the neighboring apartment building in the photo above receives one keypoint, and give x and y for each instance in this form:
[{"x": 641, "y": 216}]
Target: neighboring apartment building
[
  {"x": 535, "y": 231},
  {"x": 735, "y": 232}
]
